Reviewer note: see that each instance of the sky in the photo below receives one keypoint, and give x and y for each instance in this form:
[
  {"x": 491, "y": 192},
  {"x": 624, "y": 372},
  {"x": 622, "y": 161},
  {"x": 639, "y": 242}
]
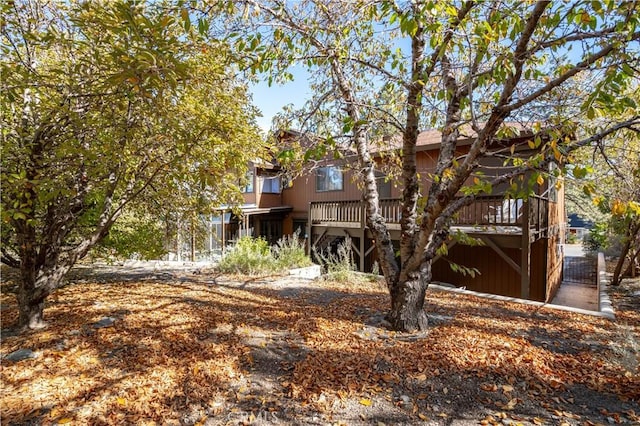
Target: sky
[{"x": 271, "y": 100}]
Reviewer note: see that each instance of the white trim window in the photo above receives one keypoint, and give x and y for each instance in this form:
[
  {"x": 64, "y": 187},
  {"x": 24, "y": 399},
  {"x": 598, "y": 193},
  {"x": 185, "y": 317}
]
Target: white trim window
[
  {"x": 329, "y": 178},
  {"x": 271, "y": 184}
]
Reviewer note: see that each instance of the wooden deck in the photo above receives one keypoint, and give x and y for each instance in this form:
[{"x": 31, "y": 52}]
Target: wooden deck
[{"x": 492, "y": 214}]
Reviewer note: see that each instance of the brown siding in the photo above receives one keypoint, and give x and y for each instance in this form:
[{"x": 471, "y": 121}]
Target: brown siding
[
  {"x": 303, "y": 191},
  {"x": 537, "y": 282},
  {"x": 555, "y": 260},
  {"x": 269, "y": 200},
  {"x": 555, "y": 256},
  {"x": 496, "y": 276},
  {"x": 249, "y": 197}
]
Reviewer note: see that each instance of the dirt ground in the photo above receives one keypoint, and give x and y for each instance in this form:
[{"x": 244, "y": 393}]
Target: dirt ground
[{"x": 156, "y": 345}]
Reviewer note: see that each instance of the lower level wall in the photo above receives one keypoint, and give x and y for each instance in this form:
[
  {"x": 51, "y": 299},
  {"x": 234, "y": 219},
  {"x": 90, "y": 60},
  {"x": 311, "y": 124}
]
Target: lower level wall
[
  {"x": 554, "y": 266},
  {"x": 495, "y": 275}
]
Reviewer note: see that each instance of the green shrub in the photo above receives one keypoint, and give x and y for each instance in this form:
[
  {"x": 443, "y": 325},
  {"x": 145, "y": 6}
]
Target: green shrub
[
  {"x": 248, "y": 256},
  {"x": 135, "y": 235},
  {"x": 572, "y": 238},
  {"x": 596, "y": 240},
  {"x": 253, "y": 256},
  {"x": 339, "y": 266},
  {"x": 289, "y": 252}
]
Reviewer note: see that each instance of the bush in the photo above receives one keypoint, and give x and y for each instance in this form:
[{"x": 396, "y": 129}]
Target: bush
[
  {"x": 253, "y": 256},
  {"x": 248, "y": 256},
  {"x": 596, "y": 239},
  {"x": 289, "y": 252},
  {"x": 572, "y": 238},
  {"x": 339, "y": 266}
]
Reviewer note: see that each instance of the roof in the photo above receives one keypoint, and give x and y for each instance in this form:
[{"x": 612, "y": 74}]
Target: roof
[
  {"x": 251, "y": 209},
  {"x": 432, "y": 138},
  {"x": 427, "y": 139},
  {"x": 577, "y": 221}
]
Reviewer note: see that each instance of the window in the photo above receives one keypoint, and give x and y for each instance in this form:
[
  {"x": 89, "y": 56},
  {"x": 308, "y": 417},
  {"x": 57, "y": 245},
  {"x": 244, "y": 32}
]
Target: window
[
  {"x": 329, "y": 178},
  {"x": 271, "y": 184},
  {"x": 383, "y": 184},
  {"x": 249, "y": 186}
]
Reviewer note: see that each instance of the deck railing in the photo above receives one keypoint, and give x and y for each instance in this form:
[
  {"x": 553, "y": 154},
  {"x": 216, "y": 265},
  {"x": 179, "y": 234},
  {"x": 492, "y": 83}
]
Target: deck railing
[{"x": 484, "y": 211}]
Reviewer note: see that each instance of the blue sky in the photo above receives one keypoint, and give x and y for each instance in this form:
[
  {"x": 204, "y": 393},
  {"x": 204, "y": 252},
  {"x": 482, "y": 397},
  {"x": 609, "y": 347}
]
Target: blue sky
[{"x": 271, "y": 100}]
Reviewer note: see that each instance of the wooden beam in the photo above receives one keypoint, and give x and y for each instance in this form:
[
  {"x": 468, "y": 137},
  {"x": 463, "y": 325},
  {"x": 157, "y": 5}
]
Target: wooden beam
[
  {"x": 224, "y": 243},
  {"x": 313, "y": 245},
  {"x": 308, "y": 235},
  {"x": 525, "y": 259},
  {"x": 362, "y": 255},
  {"x": 370, "y": 249},
  {"x": 488, "y": 241}
]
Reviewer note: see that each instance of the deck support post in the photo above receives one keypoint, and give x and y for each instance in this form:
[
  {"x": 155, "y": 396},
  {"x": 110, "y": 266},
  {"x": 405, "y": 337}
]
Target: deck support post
[
  {"x": 525, "y": 263},
  {"x": 224, "y": 242},
  {"x": 362, "y": 254}
]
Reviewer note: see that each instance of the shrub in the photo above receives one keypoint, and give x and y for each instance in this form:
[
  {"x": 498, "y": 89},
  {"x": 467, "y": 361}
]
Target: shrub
[
  {"x": 572, "y": 238},
  {"x": 596, "y": 240},
  {"x": 248, "y": 256},
  {"x": 338, "y": 266},
  {"x": 253, "y": 256},
  {"x": 289, "y": 252}
]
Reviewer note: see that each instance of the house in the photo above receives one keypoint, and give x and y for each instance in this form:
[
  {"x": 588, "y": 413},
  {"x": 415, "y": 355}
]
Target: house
[
  {"x": 521, "y": 252},
  {"x": 261, "y": 214},
  {"x": 579, "y": 226}
]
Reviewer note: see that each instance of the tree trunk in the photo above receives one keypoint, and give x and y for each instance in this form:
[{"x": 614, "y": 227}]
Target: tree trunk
[
  {"x": 407, "y": 305},
  {"x": 632, "y": 232},
  {"x": 30, "y": 311},
  {"x": 30, "y": 301}
]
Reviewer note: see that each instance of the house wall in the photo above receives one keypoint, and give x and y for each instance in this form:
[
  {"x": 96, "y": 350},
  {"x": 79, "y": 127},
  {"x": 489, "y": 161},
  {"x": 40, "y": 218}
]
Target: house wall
[
  {"x": 268, "y": 200},
  {"x": 538, "y": 267},
  {"x": 257, "y": 196},
  {"x": 496, "y": 276},
  {"x": 249, "y": 197},
  {"x": 557, "y": 235},
  {"x": 555, "y": 259},
  {"x": 303, "y": 191}
]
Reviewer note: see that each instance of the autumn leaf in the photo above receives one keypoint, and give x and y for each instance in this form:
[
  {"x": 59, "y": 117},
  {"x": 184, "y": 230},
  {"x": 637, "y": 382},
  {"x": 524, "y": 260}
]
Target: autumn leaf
[
  {"x": 511, "y": 404},
  {"x": 366, "y": 402},
  {"x": 489, "y": 387},
  {"x": 618, "y": 208}
]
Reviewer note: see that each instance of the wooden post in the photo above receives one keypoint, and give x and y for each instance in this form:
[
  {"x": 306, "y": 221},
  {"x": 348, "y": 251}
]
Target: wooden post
[
  {"x": 211, "y": 237},
  {"x": 362, "y": 255},
  {"x": 308, "y": 230},
  {"x": 223, "y": 236},
  {"x": 525, "y": 263}
]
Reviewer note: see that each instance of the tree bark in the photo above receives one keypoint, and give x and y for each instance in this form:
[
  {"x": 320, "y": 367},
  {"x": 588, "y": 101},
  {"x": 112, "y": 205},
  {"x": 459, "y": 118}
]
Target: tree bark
[
  {"x": 631, "y": 269},
  {"x": 407, "y": 312},
  {"x": 632, "y": 232},
  {"x": 30, "y": 299},
  {"x": 31, "y": 310}
]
